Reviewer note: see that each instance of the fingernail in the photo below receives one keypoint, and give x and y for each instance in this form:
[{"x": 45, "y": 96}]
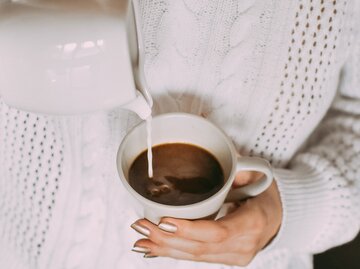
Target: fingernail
[
  {"x": 149, "y": 256},
  {"x": 167, "y": 227},
  {"x": 141, "y": 249},
  {"x": 140, "y": 229}
]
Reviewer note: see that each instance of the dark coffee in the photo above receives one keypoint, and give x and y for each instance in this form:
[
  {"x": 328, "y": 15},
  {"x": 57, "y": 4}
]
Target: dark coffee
[{"x": 183, "y": 174}]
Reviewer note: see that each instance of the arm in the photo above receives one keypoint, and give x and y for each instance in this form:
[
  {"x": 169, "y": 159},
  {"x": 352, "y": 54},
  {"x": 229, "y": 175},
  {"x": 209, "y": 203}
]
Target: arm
[
  {"x": 319, "y": 193},
  {"x": 322, "y": 184}
]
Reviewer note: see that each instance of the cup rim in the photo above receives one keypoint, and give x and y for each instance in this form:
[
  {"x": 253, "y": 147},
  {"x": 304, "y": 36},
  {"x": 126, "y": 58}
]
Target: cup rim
[{"x": 144, "y": 200}]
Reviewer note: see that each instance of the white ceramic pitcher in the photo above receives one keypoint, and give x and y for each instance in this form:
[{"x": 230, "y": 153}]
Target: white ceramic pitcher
[{"x": 72, "y": 56}]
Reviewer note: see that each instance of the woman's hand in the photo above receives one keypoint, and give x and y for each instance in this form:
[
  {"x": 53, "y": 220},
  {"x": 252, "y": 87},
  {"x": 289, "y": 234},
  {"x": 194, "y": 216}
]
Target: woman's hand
[{"x": 233, "y": 239}]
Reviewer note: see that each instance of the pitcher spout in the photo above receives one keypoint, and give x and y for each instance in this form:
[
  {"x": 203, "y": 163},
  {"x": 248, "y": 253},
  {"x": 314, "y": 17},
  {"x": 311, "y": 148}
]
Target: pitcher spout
[{"x": 140, "y": 106}]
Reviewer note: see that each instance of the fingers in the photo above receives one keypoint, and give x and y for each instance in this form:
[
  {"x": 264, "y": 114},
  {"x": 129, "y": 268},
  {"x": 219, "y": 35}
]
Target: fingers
[
  {"x": 153, "y": 250},
  {"x": 248, "y": 219},
  {"x": 246, "y": 177},
  {"x": 199, "y": 230},
  {"x": 173, "y": 240},
  {"x": 208, "y": 231}
]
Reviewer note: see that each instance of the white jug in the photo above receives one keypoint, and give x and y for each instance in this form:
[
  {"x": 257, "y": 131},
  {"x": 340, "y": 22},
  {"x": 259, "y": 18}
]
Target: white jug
[{"x": 69, "y": 56}]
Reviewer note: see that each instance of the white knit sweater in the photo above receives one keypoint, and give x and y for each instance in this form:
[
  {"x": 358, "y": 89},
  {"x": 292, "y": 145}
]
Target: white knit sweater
[{"x": 266, "y": 72}]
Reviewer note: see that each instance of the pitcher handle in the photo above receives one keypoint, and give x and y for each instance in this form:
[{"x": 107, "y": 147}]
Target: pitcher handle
[{"x": 139, "y": 73}]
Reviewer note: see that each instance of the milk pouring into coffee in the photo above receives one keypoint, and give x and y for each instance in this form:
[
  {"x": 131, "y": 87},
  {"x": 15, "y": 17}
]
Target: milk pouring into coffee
[
  {"x": 149, "y": 145},
  {"x": 179, "y": 131},
  {"x": 185, "y": 174}
]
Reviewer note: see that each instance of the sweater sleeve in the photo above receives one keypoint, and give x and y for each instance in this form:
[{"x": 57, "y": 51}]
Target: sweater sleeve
[{"x": 320, "y": 188}]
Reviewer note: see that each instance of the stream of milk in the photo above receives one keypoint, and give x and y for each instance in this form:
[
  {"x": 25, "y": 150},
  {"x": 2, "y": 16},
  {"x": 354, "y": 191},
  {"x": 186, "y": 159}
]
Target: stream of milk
[
  {"x": 142, "y": 108},
  {"x": 149, "y": 145}
]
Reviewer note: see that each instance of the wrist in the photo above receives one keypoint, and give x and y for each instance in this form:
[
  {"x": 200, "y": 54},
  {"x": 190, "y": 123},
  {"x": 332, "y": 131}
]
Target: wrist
[{"x": 272, "y": 205}]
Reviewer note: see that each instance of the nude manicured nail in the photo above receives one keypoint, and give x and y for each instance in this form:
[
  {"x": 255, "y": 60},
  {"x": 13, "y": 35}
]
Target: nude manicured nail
[
  {"x": 149, "y": 256},
  {"x": 167, "y": 227},
  {"x": 141, "y": 249},
  {"x": 140, "y": 229}
]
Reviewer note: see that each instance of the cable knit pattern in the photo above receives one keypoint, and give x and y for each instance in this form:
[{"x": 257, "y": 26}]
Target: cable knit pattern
[{"x": 280, "y": 77}]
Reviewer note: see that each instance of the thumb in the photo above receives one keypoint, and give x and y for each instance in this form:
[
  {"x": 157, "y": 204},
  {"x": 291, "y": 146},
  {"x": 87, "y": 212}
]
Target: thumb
[{"x": 243, "y": 178}]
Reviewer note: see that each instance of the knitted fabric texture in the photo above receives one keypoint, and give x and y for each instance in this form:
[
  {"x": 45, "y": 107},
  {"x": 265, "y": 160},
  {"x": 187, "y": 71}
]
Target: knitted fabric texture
[{"x": 280, "y": 77}]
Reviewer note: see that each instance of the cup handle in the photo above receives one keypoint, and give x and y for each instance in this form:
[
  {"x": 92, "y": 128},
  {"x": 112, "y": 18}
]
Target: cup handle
[{"x": 253, "y": 189}]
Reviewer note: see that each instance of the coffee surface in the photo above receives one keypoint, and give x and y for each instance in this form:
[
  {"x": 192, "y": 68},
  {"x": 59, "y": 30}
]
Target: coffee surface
[{"x": 182, "y": 174}]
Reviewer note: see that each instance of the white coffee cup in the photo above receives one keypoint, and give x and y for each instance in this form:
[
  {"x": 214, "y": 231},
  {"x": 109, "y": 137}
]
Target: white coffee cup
[{"x": 195, "y": 130}]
